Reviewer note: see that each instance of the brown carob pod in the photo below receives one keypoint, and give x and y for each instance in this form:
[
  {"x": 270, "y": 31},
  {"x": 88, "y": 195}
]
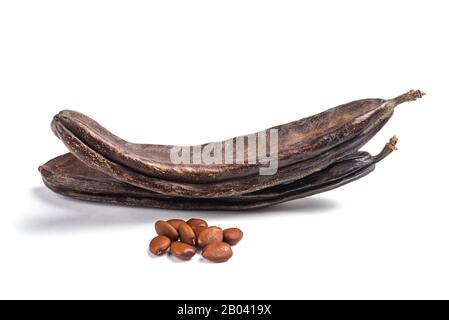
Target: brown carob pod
[
  {"x": 159, "y": 245},
  {"x": 220, "y": 189},
  {"x": 68, "y": 176},
  {"x": 299, "y": 140},
  {"x": 232, "y": 236},
  {"x": 182, "y": 250},
  {"x": 365, "y": 117},
  {"x": 217, "y": 252}
]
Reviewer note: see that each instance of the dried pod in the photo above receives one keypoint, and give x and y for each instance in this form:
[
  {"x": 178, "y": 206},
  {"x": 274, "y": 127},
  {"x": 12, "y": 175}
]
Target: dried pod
[
  {"x": 163, "y": 228},
  {"x": 217, "y": 252},
  {"x": 68, "y": 176},
  {"x": 210, "y": 235},
  {"x": 305, "y": 147},
  {"x": 182, "y": 250},
  {"x": 232, "y": 236},
  {"x": 186, "y": 234},
  {"x": 159, "y": 245},
  {"x": 220, "y": 189}
]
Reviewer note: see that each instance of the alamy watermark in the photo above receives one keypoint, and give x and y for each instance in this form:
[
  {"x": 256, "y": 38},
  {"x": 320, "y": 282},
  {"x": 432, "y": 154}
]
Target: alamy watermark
[{"x": 259, "y": 149}]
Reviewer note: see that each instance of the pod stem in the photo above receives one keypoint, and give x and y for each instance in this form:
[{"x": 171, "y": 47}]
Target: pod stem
[
  {"x": 390, "y": 146},
  {"x": 412, "y": 95}
]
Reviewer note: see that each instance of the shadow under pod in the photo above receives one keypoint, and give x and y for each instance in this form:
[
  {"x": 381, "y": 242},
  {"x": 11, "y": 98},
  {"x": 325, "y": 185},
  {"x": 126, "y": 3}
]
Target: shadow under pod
[{"x": 59, "y": 213}]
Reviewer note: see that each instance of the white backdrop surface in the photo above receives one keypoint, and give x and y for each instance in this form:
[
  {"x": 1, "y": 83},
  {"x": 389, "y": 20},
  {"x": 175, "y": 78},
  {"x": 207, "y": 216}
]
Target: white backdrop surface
[{"x": 187, "y": 72}]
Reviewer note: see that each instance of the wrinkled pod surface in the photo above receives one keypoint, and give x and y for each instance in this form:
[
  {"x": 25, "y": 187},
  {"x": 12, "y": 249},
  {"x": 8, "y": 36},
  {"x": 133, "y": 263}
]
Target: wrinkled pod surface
[
  {"x": 297, "y": 141},
  {"x": 373, "y": 120},
  {"x": 68, "y": 176}
]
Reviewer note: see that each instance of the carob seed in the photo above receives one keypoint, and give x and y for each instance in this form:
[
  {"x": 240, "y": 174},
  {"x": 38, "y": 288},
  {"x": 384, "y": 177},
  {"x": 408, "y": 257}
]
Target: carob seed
[
  {"x": 232, "y": 236},
  {"x": 195, "y": 222},
  {"x": 210, "y": 235},
  {"x": 175, "y": 222},
  {"x": 182, "y": 250},
  {"x": 159, "y": 245},
  {"x": 197, "y": 231},
  {"x": 217, "y": 252},
  {"x": 186, "y": 234},
  {"x": 163, "y": 228}
]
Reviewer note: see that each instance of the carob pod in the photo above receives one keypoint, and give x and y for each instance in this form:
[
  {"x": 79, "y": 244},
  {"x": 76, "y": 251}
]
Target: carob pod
[
  {"x": 360, "y": 161},
  {"x": 345, "y": 141},
  {"x": 69, "y": 177},
  {"x": 206, "y": 204},
  {"x": 220, "y": 189},
  {"x": 298, "y": 141},
  {"x": 68, "y": 173}
]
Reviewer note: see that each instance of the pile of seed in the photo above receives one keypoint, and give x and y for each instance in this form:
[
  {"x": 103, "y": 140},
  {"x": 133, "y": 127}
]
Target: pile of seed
[{"x": 184, "y": 237}]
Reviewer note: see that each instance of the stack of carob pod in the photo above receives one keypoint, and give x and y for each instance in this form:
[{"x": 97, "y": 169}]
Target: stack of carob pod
[{"x": 315, "y": 154}]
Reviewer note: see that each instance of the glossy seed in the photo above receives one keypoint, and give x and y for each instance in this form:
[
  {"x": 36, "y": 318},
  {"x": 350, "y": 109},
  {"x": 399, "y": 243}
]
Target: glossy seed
[
  {"x": 217, "y": 252},
  {"x": 175, "y": 223},
  {"x": 210, "y": 235},
  {"x": 182, "y": 250},
  {"x": 163, "y": 228},
  {"x": 186, "y": 234},
  {"x": 232, "y": 236},
  {"x": 197, "y": 231},
  {"x": 159, "y": 245},
  {"x": 195, "y": 222}
]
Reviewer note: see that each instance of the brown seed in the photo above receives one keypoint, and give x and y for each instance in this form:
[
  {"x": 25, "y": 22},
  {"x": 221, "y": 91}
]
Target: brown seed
[
  {"x": 186, "y": 234},
  {"x": 195, "y": 222},
  {"x": 197, "y": 231},
  {"x": 218, "y": 252},
  {"x": 163, "y": 228},
  {"x": 232, "y": 235},
  {"x": 210, "y": 235},
  {"x": 182, "y": 250},
  {"x": 159, "y": 245},
  {"x": 175, "y": 223}
]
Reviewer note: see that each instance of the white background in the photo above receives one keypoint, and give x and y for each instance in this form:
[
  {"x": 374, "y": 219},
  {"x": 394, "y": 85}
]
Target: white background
[{"x": 187, "y": 72}]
